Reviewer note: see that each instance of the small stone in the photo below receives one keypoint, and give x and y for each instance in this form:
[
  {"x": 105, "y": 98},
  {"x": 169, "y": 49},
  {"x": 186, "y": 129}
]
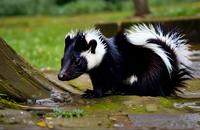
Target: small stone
[
  {"x": 50, "y": 124},
  {"x": 112, "y": 119},
  {"x": 60, "y": 97},
  {"x": 30, "y": 122},
  {"x": 47, "y": 102},
  {"x": 118, "y": 125},
  {"x": 12, "y": 120},
  {"x": 30, "y": 101},
  {"x": 151, "y": 107}
]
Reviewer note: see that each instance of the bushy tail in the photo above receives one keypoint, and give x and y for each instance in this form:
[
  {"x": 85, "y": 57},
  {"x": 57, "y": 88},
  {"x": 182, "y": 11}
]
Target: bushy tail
[{"x": 140, "y": 34}]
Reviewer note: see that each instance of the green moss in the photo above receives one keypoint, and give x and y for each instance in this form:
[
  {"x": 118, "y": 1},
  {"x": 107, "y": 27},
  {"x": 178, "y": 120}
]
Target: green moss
[
  {"x": 82, "y": 86},
  {"x": 133, "y": 104},
  {"x": 9, "y": 103},
  {"x": 165, "y": 102},
  {"x": 138, "y": 109},
  {"x": 102, "y": 105},
  {"x": 2, "y": 120}
]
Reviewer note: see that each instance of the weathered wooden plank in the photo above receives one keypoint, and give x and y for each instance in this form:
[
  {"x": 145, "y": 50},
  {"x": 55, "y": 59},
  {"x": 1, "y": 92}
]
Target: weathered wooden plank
[{"x": 20, "y": 80}]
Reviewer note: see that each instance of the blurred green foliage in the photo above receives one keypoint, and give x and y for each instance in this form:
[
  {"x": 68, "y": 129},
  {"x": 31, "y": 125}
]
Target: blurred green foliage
[
  {"x": 58, "y": 7},
  {"x": 73, "y": 7},
  {"x": 26, "y": 7}
]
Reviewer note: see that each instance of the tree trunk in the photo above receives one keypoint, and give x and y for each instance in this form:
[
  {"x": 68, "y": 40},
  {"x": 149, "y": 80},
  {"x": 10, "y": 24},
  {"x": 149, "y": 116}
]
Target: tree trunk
[
  {"x": 141, "y": 7},
  {"x": 20, "y": 80}
]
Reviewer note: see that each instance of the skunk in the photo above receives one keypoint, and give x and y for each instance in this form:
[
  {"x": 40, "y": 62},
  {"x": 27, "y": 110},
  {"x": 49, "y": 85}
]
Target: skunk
[{"x": 143, "y": 60}]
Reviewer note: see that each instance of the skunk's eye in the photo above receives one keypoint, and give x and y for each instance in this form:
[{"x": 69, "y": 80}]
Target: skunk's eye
[
  {"x": 73, "y": 57},
  {"x": 77, "y": 61}
]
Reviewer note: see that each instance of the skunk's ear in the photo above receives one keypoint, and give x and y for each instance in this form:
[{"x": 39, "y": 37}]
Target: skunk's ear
[
  {"x": 93, "y": 45},
  {"x": 67, "y": 39}
]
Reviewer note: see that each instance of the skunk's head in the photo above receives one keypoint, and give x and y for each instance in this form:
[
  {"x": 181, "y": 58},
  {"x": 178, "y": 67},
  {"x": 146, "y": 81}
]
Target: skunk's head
[{"x": 83, "y": 52}]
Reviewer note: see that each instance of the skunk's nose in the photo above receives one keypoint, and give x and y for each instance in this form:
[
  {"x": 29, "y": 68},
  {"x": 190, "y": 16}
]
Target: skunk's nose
[{"x": 62, "y": 76}]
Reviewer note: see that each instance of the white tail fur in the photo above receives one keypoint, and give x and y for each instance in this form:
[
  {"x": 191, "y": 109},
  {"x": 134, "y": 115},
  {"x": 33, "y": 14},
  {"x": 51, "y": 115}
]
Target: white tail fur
[{"x": 139, "y": 34}]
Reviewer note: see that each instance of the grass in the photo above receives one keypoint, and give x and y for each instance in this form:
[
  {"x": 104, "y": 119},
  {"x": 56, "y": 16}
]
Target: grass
[
  {"x": 177, "y": 9},
  {"x": 68, "y": 114},
  {"x": 40, "y": 39}
]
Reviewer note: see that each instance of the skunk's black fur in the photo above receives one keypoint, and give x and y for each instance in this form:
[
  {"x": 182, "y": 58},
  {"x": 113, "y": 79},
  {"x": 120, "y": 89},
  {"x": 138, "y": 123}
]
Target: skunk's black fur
[{"x": 150, "y": 68}]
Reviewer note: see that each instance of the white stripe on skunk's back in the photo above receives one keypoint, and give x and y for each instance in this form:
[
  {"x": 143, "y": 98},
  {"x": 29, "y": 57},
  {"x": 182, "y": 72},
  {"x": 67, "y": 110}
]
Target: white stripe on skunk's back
[{"x": 139, "y": 34}]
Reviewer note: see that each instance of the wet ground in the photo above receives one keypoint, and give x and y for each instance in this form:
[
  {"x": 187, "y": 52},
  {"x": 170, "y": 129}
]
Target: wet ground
[{"x": 113, "y": 112}]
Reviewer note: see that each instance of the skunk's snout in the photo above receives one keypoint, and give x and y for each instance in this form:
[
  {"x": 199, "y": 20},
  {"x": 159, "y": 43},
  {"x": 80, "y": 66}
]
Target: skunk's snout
[{"x": 62, "y": 76}]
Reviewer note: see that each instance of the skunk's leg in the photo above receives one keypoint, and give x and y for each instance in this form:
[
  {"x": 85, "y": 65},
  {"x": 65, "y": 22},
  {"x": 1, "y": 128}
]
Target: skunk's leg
[
  {"x": 99, "y": 88},
  {"x": 92, "y": 93}
]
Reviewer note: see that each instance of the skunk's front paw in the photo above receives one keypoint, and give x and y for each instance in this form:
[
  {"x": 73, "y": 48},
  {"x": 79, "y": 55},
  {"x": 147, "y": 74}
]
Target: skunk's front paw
[{"x": 91, "y": 94}]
